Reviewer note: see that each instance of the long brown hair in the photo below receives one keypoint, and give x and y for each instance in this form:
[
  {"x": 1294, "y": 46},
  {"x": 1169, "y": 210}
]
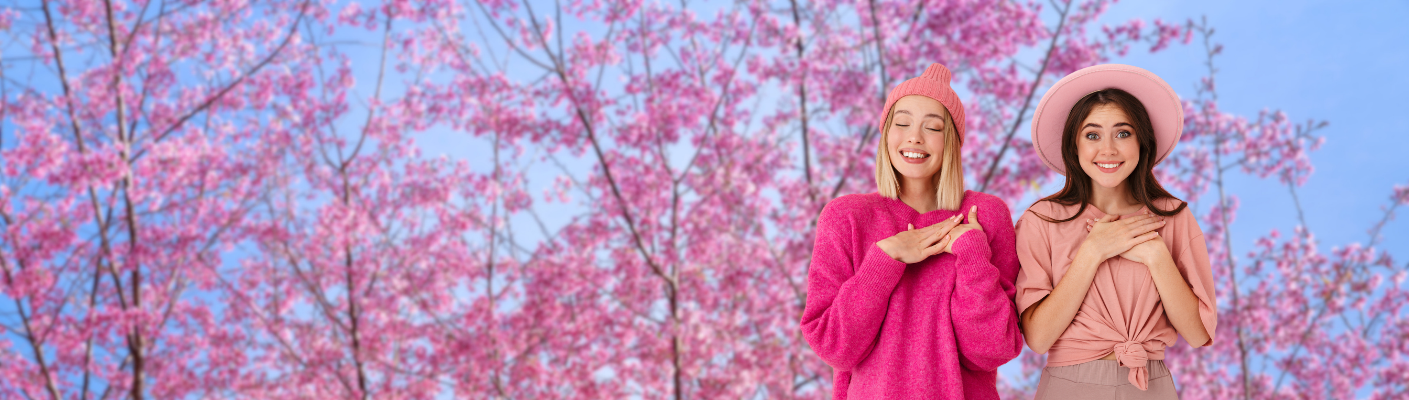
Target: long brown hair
[{"x": 1143, "y": 185}]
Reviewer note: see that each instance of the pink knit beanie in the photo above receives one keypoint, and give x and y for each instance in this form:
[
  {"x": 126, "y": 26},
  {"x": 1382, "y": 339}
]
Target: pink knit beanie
[{"x": 934, "y": 83}]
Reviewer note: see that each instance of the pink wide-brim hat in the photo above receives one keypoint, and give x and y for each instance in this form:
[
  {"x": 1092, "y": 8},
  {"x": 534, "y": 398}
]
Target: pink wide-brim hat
[{"x": 1160, "y": 101}]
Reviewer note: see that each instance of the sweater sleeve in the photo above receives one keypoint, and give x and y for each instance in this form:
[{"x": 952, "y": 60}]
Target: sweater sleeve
[
  {"x": 847, "y": 293},
  {"x": 985, "y": 325}
]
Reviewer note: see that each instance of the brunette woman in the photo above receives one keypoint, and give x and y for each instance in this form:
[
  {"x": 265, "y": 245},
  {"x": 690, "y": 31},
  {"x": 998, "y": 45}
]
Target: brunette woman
[{"x": 1114, "y": 268}]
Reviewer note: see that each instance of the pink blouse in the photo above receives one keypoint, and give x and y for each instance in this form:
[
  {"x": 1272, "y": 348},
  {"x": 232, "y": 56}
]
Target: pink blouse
[{"x": 1121, "y": 313}]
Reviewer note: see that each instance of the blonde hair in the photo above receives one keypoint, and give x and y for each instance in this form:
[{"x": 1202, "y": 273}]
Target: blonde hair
[{"x": 949, "y": 181}]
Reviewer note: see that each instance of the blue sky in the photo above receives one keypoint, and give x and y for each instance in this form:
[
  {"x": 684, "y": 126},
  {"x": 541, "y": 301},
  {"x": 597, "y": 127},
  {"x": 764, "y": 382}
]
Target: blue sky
[{"x": 1345, "y": 65}]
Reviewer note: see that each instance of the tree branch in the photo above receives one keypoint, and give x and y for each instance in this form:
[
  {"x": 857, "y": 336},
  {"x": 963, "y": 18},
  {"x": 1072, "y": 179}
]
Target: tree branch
[{"x": 1027, "y": 102}]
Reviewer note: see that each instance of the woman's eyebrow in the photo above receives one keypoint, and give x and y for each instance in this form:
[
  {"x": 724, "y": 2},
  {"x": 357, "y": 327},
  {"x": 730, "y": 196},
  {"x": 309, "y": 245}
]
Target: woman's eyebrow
[
  {"x": 930, "y": 115},
  {"x": 927, "y": 116},
  {"x": 1098, "y": 126}
]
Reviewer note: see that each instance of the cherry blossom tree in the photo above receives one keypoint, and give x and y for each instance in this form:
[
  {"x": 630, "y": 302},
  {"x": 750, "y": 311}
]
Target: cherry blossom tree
[
  {"x": 228, "y": 199},
  {"x": 133, "y": 151}
]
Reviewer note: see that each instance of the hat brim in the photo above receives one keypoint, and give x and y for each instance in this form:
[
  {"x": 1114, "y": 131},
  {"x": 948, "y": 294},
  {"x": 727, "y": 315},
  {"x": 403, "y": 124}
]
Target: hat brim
[{"x": 1160, "y": 101}]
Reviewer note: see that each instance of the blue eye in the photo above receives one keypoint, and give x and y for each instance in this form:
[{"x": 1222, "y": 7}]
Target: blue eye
[{"x": 1123, "y": 134}]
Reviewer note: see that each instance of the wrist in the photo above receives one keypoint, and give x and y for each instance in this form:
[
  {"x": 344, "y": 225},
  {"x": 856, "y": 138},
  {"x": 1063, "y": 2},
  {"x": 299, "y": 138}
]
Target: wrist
[
  {"x": 887, "y": 246},
  {"x": 962, "y": 242},
  {"x": 1088, "y": 255},
  {"x": 1085, "y": 250},
  {"x": 1161, "y": 261}
]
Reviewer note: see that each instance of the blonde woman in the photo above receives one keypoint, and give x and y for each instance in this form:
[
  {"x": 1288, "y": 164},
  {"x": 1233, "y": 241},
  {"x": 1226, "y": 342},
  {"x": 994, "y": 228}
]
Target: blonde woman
[{"x": 910, "y": 291}]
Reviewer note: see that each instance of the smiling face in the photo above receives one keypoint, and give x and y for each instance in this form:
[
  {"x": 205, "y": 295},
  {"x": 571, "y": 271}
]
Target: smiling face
[
  {"x": 1107, "y": 147},
  {"x": 915, "y": 138}
]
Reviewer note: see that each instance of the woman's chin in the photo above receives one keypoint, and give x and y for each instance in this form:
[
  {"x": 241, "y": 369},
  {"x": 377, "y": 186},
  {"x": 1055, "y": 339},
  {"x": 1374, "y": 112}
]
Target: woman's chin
[
  {"x": 1110, "y": 183},
  {"x": 915, "y": 173}
]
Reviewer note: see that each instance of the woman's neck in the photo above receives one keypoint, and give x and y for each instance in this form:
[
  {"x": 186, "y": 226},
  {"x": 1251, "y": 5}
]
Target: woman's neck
[
  {"x": 1114, "y": 201},
  {"x": 920, "y": 195}
]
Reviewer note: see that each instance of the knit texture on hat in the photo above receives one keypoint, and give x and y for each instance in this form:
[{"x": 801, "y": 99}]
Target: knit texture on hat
[{"x": 934, "y": 83}]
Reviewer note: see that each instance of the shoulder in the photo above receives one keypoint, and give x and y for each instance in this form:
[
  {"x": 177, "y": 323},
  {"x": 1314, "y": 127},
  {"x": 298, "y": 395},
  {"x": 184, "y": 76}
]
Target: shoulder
[
  {"x": 985, "y": 200},
  {"x": 1045, "y": 207},
  {"x": 1168, "y": 204},
  {"x": 1049, "y": 209},
  {"x": 851, "y": 207},
  {"x": 992, "y": 211},
  {"x": 982, "y": 199},
  {"x": 853, "y": 203},
  {"x": 1183, "y": 223}
]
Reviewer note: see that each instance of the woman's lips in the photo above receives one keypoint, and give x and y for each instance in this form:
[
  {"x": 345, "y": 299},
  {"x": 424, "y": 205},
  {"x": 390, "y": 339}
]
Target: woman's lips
[
  {"x": 913, "y": 160},
  {"x": 1115, "y": 166}
]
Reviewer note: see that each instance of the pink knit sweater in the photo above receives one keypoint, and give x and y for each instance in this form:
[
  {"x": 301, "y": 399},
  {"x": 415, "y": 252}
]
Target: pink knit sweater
[{"x": 936, "y": 329}]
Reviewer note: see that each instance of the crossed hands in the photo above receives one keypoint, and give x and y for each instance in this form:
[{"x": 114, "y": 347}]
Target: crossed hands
[
  {"x": 1133, "y": 238},
  {"x": 914, "y": 245}
]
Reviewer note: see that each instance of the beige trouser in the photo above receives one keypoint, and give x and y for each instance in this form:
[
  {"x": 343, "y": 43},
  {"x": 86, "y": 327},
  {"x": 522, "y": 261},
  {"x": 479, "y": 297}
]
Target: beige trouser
[{"x": 1103, "y": 379}]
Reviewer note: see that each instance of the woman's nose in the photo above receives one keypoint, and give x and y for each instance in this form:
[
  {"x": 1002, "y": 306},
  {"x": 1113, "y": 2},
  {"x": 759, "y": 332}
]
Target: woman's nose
[{"x": 1107, "y": 146}]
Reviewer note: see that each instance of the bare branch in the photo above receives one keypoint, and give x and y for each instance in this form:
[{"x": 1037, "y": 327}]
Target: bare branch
[{"x": 1027, "y": 102}]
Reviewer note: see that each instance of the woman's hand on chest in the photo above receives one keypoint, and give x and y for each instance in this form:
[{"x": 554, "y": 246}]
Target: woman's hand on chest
[
  {"x": 1148, "y": 252},
  {"x": 971, "y": 224},
  {"x": 914, "y": 245},
  {"x": 1110, "y": 237}
]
